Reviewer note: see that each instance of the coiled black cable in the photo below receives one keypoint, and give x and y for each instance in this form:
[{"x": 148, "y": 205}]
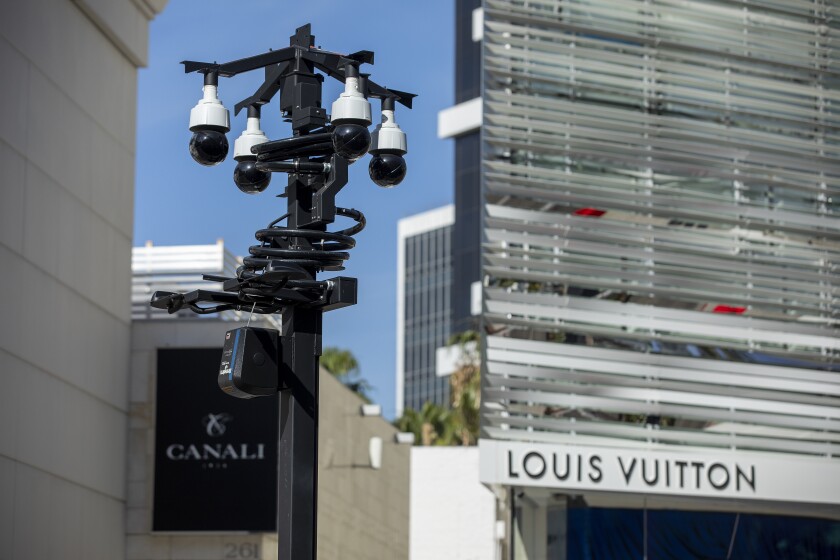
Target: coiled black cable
[{"x": 327, "y": 251}]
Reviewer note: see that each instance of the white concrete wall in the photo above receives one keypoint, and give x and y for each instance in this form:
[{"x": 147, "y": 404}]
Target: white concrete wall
[
  {"x": 453, "y": 516},
  {"x": 67, "y": 129}
]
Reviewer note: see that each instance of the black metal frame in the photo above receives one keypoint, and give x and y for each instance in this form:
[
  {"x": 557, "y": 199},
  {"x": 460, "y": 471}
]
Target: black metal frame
[{"x": 279, "y": 276}]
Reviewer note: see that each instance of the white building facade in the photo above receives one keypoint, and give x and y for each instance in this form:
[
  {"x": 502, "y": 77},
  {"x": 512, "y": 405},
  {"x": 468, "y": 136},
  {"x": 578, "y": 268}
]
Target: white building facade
[
  {"x": 67, "y": 144},
  {"x": 661, "y": 239},
  {"x": 453, "y": 516}
]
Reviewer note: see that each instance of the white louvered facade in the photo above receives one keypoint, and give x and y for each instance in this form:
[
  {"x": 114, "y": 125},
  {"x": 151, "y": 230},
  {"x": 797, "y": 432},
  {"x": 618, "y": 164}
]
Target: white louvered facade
[{"x": 662, "y": 225}]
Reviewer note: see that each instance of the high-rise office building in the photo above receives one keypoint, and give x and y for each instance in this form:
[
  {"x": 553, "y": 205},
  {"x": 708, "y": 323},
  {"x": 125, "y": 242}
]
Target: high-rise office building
[
  {"x": 424, "y": 312},
  {"x": 660, "y": 192},
  {"x": 460, "y": 123},
  {"x": 417, "y": 379}
]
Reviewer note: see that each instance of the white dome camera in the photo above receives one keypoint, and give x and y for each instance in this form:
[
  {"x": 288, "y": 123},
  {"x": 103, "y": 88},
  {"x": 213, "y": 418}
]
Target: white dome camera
[
  {"x": 388, "y": 137},
  {"x": 247, "y": 177},
  {"x": 351, "y": 116},
  {"x": 351, "y": 107},
  {"x": 209, "y": 121},
  {"x": 388, "y": 145},
  {"x": 250, "y": 137},
  {"x": 209, "y": 113}
]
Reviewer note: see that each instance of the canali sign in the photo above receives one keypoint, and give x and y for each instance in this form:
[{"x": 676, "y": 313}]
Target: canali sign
[
  {"x": 215, "y": 456},
  {"x": 728, "y": 474}
]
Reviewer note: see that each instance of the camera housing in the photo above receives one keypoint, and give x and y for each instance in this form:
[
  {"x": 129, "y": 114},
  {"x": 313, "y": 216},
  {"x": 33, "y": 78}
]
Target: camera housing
[
  {"x": 250, "y": 137},
  {"x": 209, "y": 121},
  {"x": 351, "y": 117},
  {"x": 209, "y": 113},
  {"x": 388, "y": 144},
  {"x": 247, "y": 177},
  {"x": 388, "y": 137},
  {"x": 351, "y": 106}
]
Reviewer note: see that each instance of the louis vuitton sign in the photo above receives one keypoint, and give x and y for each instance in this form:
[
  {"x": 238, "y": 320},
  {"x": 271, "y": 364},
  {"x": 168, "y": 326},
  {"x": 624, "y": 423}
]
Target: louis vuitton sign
[{"x": 728, "y": 474}]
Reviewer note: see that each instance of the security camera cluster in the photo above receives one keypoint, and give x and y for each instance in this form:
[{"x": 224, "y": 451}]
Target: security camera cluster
[
  {"x": 280, "y": 272},
  {"x": 348, "y": 133}
]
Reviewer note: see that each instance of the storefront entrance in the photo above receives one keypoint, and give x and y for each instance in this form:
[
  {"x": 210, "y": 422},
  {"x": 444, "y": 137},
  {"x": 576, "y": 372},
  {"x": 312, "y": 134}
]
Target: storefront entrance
[{"x": 558, "y": 527}]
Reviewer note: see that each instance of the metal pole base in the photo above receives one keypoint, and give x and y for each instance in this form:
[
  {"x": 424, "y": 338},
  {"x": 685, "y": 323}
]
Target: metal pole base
[{"x": 297, "y": 483}]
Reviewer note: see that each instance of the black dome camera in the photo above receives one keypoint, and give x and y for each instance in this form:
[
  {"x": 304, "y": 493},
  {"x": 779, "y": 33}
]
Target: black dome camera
[
  {"x": 387, "y": 169},
  {"x": 208, "y": 147},
  {"x": 351, "y": 141},
  {"x": 209, "y": 121},
  {"x": 249, "y": 179}
]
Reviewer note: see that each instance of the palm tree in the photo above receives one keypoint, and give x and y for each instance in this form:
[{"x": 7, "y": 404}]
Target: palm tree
[
  {"x": 431, "y": 425},
  {"x": 465, "y": 387},
  {"x": 343, "y": 365},
  {"x": 458, "y": 425}
]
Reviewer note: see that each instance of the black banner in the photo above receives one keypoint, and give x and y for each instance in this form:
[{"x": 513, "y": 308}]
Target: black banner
[{"x": 215, "y": 455}]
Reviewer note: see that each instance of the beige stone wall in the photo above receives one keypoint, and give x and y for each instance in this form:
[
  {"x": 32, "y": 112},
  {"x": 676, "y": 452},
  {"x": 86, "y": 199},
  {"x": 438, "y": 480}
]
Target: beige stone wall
[
  {"x": 362, "y": 514},
  {"x": 68, "y": 88}
]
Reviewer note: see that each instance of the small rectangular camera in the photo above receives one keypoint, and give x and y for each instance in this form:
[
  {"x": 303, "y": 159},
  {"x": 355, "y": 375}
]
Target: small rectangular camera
[{"x": 249, "y": 362}]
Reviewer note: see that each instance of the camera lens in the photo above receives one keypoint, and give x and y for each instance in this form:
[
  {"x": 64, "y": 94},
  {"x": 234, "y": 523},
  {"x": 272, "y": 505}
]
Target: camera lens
[
  {"x": 249, "y": 179},
  {"x": 208, "y": 147},
  {"x": 387, "y": 170},
  {"x": 351, "y": 141}
]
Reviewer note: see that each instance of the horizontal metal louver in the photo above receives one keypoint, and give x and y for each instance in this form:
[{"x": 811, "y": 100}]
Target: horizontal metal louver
[
  {"x": 662, "y": 231},
  {"x": 574, "y": 393}
]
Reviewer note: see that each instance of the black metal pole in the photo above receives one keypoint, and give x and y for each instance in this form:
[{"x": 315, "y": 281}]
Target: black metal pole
[
  {"x": 297, "y": 468},
  {"x": 297, "y": 488}
]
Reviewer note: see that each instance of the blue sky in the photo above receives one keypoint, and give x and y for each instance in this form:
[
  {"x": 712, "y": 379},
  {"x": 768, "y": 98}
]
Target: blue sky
[{"x": 180, "y": 202}]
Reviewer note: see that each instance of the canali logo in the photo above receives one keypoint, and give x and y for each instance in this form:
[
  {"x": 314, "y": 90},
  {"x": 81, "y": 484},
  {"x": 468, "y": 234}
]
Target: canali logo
[{"x": 215, "y": 425}]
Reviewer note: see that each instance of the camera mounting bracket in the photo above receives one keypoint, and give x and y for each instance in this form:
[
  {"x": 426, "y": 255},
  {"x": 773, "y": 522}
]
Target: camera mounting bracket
[{"x": 276, "y": 64}]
